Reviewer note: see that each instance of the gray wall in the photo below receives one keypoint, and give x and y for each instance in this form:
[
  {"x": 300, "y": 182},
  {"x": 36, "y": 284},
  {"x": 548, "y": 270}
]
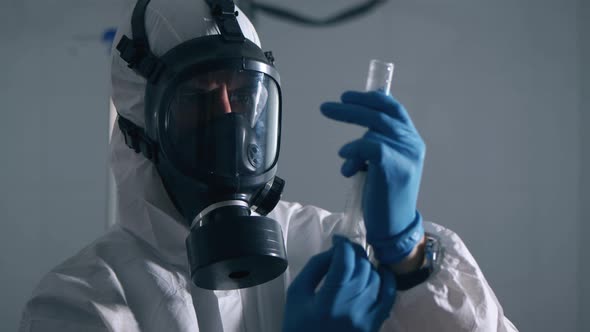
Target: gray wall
[
  {"x": 54, "y": 91},
  {"x": 584, "y": 38},
  {"x": 494, "y": 87}
]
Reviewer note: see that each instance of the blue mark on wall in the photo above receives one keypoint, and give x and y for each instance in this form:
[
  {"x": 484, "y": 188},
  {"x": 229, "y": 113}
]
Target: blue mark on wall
[{"x": 108, "y": 37}]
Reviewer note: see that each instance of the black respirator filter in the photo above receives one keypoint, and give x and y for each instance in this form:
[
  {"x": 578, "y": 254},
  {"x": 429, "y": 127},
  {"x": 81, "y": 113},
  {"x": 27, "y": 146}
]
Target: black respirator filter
[{"x": 230, "y": 249}]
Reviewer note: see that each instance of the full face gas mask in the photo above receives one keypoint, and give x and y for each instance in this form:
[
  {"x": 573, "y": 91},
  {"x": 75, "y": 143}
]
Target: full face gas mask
[{"x": 212, "y": 128}]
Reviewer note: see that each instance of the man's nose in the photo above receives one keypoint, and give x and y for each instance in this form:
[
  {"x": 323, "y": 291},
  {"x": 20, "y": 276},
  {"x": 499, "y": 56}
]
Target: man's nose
[{"x": 222, "y": 100}]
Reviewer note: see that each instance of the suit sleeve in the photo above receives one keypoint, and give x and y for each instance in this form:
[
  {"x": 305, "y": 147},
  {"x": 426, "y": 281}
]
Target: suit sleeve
[{"x": 456, "y": 298}]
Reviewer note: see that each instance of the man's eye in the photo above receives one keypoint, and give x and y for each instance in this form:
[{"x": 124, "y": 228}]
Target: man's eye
[{"x": 243, "y": 97}]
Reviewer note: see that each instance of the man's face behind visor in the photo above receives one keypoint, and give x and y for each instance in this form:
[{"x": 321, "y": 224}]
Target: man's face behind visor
[
  {"x": 200, "y": 99},
  {"x": 200, "y": 105}
]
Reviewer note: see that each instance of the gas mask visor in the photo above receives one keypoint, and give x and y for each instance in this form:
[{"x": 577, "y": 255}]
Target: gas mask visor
[{"x": 222, "y": 125}]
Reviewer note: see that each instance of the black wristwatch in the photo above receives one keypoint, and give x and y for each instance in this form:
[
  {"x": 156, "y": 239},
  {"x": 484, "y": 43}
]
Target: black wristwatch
[{"x": 433, "y": 253}]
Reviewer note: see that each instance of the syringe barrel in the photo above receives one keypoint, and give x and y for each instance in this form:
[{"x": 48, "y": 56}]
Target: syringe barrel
[{"x": 380, "y": 76}]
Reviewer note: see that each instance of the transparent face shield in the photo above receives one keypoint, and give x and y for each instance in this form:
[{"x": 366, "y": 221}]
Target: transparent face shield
[{"x": 224, "y": 123}]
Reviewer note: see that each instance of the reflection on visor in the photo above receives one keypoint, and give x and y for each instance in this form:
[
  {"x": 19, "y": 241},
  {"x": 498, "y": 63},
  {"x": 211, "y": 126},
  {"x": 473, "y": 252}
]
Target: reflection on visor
[
  {"x": 218, "y": 93},
  {"x": 252, "y": 100}
]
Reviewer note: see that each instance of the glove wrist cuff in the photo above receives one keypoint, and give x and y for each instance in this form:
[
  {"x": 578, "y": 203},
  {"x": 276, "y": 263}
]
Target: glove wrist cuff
[{"x": 394, "y": 249}]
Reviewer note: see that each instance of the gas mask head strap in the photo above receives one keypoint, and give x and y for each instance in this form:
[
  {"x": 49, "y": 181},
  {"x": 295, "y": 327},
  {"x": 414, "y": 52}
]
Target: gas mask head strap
[
  {"x": 137, "y": 140},
  {"x": 136, "y": 52},
  {"x": 225, "y": 14}
]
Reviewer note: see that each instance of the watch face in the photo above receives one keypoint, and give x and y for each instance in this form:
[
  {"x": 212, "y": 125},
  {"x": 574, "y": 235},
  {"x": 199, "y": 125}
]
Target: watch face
[{"x": 433, "y": 253}]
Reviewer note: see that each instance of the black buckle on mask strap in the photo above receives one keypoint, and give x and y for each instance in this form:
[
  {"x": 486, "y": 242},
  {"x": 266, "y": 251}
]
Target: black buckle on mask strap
[
  {"x": 136, "y": 52},
  {"x": 136, "y": 139},
  {"x": 225, "y": 14},
  {"x": 140, "y": 59}
]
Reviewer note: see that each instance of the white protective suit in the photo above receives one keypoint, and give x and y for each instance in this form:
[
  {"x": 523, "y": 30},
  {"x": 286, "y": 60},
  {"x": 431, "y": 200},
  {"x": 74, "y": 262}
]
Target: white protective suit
[{"x": 135, "y": 277}]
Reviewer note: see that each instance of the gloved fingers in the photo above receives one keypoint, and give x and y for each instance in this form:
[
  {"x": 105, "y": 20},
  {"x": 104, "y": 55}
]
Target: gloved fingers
[
  {"x": 387, "y": 292},
  {"x": 362, "y": 268},
  {"x": 379, "y": 101},
  {"x": 312, "y": 274},
  {"x": 377, "y": 121},
  {"x": 352, "y": 166},
  {"x": 359, "y": 250},
  {"x": 373, "y": 287},
  {"x": 375, "y": 152},
  {"x": 342, "y": 265},
  {"x": 412, "y": 145}
]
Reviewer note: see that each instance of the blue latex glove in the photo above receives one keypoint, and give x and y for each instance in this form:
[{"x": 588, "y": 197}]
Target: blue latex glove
[
  {"x": 353, "y": 297},
  {"x": 394, "y": 152}
]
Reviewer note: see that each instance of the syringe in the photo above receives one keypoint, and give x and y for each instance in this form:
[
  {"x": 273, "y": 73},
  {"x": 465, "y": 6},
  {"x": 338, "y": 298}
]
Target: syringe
[{"x": 379, "y": 79}]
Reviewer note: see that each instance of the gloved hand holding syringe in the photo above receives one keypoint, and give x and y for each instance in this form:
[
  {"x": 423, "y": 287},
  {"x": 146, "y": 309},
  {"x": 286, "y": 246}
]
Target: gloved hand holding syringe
[
  {"x": 392, "y": 152},
  {"x": 378, "y": 79}
]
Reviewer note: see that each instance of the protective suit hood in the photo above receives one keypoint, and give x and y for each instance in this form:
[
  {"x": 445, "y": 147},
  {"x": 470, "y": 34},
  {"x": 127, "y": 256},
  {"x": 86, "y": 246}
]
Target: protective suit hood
[{"x": 143, "y": 205}]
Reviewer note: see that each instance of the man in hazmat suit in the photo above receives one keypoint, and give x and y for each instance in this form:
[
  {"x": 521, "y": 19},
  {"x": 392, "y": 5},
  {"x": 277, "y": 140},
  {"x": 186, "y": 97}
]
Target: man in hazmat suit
[{"x": 202, "y": 242}]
